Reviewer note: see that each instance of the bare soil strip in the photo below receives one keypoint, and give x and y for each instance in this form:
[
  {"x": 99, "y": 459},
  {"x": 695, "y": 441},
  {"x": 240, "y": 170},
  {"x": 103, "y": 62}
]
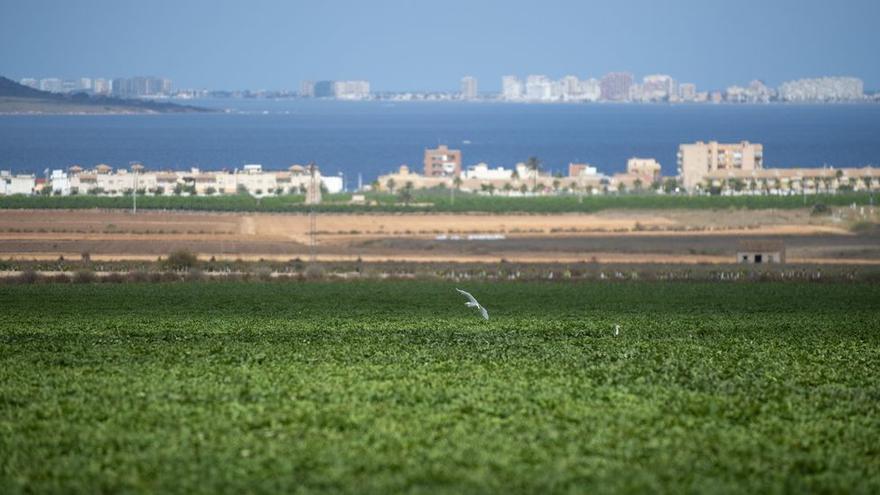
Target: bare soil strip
[{"x": 682, "y": 236}]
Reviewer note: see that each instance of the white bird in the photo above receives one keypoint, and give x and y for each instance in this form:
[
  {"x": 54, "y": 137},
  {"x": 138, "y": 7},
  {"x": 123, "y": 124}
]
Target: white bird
[
  {"x": 616, "y": 330},
  {"x": 472, "y": 303}
]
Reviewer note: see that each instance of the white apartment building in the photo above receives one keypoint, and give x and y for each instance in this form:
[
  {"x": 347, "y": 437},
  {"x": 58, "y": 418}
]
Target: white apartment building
[
  {"x": 59, "y": 182},
  {"x": 590, "y": 89},
  {"x": 539, "y": 88},
  {"x": 351, "y": 90},
  {"x": 16, "y": 184},
  {"x": 823, "y": 89},
  {"x": 481, "y": 171},
  {"x": 51, "y": 84},
  {"x": 687, "y": 91},
  {"x": 469, "y": 88},
  {"x": 657, "y": 87},
  {"x": 511, "y": 88}
]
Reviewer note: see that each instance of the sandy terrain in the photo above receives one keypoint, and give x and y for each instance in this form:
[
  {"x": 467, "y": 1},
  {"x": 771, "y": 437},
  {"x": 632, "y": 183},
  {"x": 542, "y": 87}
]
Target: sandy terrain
[{"x": 689, "y": 236}]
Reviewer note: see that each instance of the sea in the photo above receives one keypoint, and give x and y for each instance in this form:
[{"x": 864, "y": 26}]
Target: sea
[{"x": 369, "y": 138}]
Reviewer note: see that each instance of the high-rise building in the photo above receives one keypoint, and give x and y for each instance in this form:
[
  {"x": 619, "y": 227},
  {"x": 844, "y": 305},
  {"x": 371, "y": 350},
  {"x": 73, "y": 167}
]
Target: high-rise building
[
  {"x": 538, "y": 88},
  {"x": 570, "y": 88},
  {"x": 687, "y": 91},
  {"x": 307, "y": 89},
  {"x": 511, "y": 88},
  {"x": 69, "y": 85},
  {"x": 324, "y": 89},
  {"x": 698, "y": 159},
  {"x": 657, "y": 87},
  {"x": 616, "y": 86},
  {"x": 823, "y": 89},
  {"x": 101, "y": 86},
  {"x": 442, "y": 162},
  {"x": 121, "y": 87},
  {"x": 468, "y": 88},
  {"x": 591, "y": 90},
  {"x": 140, "y": 86},
  {"x": 52, "y": 84},
  {"x": 351, "y": 90}
]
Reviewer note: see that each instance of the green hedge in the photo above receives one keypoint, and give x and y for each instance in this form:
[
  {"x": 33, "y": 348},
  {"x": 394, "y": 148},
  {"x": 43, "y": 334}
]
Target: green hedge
[{"x": 434, "y": 201}]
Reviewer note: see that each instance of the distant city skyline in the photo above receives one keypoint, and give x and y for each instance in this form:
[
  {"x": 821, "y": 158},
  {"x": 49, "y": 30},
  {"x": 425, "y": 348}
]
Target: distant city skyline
[
  {"x": 611, "y": 87},
  {"x": 399, "y": 45}
]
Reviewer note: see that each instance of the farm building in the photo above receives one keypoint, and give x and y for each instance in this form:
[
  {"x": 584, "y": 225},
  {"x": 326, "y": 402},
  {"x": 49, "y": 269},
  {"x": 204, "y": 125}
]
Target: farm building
[{"x": 757, "y": 252}]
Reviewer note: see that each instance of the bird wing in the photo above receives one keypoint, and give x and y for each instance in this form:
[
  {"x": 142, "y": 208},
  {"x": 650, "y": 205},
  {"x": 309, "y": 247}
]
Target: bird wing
[
  {"x": 484, "y": 313},
  {"x": 469, "y": 296}
]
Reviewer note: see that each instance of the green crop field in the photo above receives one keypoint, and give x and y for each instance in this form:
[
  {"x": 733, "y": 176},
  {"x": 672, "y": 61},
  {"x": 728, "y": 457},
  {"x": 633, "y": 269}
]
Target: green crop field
[
  {"x": 437, "y": 200},
  {"x": 378, "y": 387}
]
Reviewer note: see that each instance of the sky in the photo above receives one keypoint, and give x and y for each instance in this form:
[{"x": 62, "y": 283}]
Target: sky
[{"x": 403, "y": 45}]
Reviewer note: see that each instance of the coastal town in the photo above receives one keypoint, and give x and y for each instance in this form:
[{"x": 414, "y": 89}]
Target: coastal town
[
  {"x": 704, "y": 168},
  {"x": 613, "y": 87}
]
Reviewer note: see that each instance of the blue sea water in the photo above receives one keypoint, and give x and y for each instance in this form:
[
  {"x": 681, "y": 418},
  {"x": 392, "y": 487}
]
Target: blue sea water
[{"x": 376, "y": 137}]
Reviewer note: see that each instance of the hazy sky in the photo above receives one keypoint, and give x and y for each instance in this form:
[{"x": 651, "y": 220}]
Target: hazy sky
[{"x": 401, "y": 45}]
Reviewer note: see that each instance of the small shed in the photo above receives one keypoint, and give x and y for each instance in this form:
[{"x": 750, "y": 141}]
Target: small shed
[{"x": 759, "y": 252}]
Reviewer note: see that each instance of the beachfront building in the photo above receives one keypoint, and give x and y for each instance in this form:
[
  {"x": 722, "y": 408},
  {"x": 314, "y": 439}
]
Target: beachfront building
[
  {"x": 616, "y": 86},
  {"x": 696, "y": 160},
  {"x": 469, "y": 88},
  {"x": 251, "y": 179},
  {"x": 479, "y": 178},
  {"x": 511, "y": 88},
  {"x": 641, "y": 174},
  {"x": 442, "y": 162},
  {"x": 583, "y": 177},
  {"x": 351, "y": 90},
  {"x": 786, "y": 181},
  {"x": 481, "y": 171}
]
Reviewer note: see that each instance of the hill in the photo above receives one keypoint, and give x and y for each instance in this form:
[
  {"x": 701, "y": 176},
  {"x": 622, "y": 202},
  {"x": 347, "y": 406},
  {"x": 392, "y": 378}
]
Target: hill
[{"x": 16, "y": 98}]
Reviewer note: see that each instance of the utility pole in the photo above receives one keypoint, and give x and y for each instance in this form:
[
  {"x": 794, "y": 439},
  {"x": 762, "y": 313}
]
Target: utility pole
[{"x": 136, "y": 166}]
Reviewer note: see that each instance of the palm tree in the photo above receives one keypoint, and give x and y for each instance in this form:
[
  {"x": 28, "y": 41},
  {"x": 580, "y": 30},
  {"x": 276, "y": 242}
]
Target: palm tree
[
  {"x": 507, "y": 188},
  {"x": 391, "y": 184},
  {"x": 556, "y": 185},
  {"x": 637, "y": 184},
  {"x": 575, "y": 188},
  {"x": 456, "y": 182},
  {"x": 406, "y": 194},
  {"x": 621, "y": 188},
  {"x": 523, "y": 188},
  {"x": 534, "y": 164}
]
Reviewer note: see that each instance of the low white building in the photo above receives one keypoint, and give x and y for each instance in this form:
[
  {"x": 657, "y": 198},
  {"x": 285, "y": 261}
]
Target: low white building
[
  {"x": 4, "y": 183},
  {"x": 332, "y": 184},
  {"x": 19, "y": 184},
  {"x": 59, "y": 182},
  {"x": 481, "y": 171}
]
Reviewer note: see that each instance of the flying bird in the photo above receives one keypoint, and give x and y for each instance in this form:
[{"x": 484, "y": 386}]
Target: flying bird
[{"x": 472, "y": 303}]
